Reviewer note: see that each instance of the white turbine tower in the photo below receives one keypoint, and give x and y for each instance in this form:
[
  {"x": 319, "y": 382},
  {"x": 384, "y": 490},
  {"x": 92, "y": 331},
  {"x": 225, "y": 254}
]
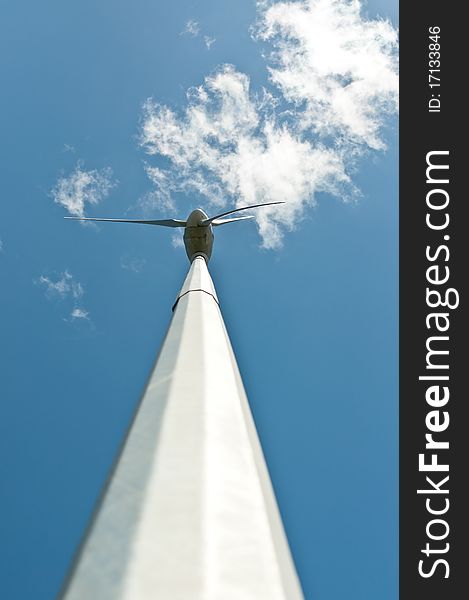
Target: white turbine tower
[{"x": 188, "y": 512}]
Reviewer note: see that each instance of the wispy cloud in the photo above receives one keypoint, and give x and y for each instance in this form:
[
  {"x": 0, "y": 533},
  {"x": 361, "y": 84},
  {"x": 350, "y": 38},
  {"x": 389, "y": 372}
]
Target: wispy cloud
[
  {"x": 209, "y": 41},
  {"x": 191, "y": 28},
  {"x": 62, "y": 287},
  {"x": 160, "y": 196},
  {"x": 334, "y": 81},
  {"x": 65, "y": 288},
  {"x": 79, "y": 313},
  {"x": 1, "y": 245},
  {"x": 132, "y": 263},
  {"x": 82, "y": 188},
  {"x": 177, "y": 240}
]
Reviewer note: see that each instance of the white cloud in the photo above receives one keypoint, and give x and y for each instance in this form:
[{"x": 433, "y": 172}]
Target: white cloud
[
  {"x": 79, "y": 313},
  {"x": 335, "y": 76},
  {"x": 228, "y": 146},
  {"x": 339, "y": 66},
  {"x": 191, "y": 28},
  {"x": 209, "y": 41},
  {"x": 81, "y": 188},
  {"x": 160, "y": 196},
  {"x": 1, "y": 246},
  {"x": 65, "y": 288},
  {"x": 177, "y": 240},
  {"x": 132, "y": 263}
]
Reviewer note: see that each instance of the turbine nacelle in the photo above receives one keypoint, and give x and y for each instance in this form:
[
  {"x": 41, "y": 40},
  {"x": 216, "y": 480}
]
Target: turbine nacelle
[
  {"x": 198, "y": 238},
  {"x": 198, "y": 232}
]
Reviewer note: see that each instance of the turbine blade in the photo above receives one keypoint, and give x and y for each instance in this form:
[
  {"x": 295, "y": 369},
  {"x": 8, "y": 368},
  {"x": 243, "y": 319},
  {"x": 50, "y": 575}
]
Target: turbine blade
[
  {"x": 162, "y": 222},
  {"x": 217, "y": 222},
  {"x": 230, "y": 212}
]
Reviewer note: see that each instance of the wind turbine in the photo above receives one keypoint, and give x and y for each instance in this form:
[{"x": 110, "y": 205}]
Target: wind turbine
[
  {"x": 188, "y": 511},
  {"x": 198, "y": 232}
]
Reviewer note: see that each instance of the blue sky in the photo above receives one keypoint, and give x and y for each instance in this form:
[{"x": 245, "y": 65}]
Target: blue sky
[{"x": 313, "y": 319}]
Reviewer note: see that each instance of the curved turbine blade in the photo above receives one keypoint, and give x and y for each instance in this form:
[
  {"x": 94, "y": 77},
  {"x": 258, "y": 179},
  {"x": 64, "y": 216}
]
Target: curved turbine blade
[
  {"x": 162, "y": 222},
  {"x": 217, "y": 222},
  {"x": 230, "y": 212}
]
